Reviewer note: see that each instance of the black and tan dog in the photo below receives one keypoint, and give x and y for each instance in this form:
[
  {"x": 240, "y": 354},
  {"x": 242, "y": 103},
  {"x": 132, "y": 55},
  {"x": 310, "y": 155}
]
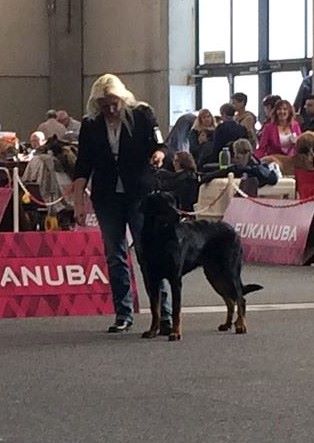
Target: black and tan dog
[{"x": 172, "y": 248}]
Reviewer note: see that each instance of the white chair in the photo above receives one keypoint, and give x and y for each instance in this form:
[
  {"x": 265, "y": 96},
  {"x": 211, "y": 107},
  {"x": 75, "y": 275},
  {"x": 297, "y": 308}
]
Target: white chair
[{"x": 208, "y": 192}]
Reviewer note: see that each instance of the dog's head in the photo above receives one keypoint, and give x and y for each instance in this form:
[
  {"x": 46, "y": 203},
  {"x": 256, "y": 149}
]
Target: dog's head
[{"x": 160, "y": 206}]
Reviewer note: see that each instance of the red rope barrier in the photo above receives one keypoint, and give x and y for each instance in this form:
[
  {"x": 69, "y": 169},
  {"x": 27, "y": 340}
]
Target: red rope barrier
[
  {"x": 270, "y": 205},
  {"x": 289, "y": 205}
]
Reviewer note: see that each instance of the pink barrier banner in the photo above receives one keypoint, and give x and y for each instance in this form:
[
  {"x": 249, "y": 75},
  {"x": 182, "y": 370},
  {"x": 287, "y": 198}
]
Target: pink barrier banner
[
  {"x": 55, "y": 273},
  {"x": 5, "y": 195},
  {"x": 91, "y": 222},
  {"x": 271, "y": 234}
]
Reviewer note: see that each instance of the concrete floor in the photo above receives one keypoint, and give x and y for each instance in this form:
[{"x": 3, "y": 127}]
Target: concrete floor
[{"x": 63, "y": 380}]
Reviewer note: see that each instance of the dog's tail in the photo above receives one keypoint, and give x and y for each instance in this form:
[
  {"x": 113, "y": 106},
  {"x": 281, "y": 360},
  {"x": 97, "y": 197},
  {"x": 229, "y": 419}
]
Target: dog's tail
[{"x": 251, "y": 288}]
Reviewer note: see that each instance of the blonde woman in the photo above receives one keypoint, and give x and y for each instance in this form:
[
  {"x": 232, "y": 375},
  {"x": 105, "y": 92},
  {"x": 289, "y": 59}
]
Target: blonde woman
[
  {"x": 204, "y": 122},
  {"x": 118, "y": 141}
]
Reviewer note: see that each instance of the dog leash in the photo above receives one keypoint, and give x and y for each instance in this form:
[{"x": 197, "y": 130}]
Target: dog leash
[{"x": 201, "y": 211}]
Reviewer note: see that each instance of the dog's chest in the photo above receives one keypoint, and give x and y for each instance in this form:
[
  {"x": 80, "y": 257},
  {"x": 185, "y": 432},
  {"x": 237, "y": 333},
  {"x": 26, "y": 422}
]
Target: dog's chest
[{"x": 162, "y": 250}]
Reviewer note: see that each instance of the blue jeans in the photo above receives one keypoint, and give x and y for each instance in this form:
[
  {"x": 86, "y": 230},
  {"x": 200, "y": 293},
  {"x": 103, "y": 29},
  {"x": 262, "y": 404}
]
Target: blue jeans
[{"x": 113, "y": 215}]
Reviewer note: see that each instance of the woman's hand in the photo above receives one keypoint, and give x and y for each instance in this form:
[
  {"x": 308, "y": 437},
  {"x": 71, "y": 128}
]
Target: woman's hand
[
  {"x": 157, "y": 159},
  {"x": 80, "y": 213},
  {"x": 79, "y": 203}
]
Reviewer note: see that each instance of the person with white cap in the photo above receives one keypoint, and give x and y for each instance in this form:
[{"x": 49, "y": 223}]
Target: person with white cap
[{"x": 119, "y": 140}]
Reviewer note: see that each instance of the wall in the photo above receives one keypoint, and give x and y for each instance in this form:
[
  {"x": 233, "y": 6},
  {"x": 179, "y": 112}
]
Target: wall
[
  {"x": 43, "y": 65},
  {"x": 24, "y": 55},
  {"x": 130, "y": 39}
]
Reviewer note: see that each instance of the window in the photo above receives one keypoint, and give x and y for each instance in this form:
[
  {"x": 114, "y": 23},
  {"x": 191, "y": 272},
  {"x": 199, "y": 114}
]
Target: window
[
  {"x": 309, "y": 28},
  {"x": 214, "y": 27},
  {"x": 286, "y": 29},
  {"x": 286, "y": 84},
  {"x": 261, "y": 58},
  {"x": 245, "y": 30},
  {"x": 215, "y": 93}
]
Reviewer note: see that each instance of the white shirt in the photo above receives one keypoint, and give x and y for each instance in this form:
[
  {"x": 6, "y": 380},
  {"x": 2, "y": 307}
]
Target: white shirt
[{"x": 114, "y": 141}]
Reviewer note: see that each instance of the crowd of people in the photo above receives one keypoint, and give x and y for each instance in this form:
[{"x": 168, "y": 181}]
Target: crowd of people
[
  {"x": 192, "y": 146},
  {"x": 119, "y": 152}
]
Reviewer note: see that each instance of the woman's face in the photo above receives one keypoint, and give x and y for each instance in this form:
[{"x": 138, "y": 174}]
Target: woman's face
[
  {"x": 110, "y": 105},
  {"x": 267, "y": 110},
  {"x": 241, "y": 158},
  {"x": 206, "y": 120},
  {"x": 283, "y": 113}
]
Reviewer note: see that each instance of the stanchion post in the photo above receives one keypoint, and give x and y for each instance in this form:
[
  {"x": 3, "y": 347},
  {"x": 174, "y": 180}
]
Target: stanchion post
[
  {"x": 15, "y": 200},
  {"x": 230, "y": 191}
]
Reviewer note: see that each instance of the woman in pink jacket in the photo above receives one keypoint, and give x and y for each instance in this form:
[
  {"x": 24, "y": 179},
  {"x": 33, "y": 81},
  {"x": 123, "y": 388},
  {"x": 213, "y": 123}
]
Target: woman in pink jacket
[{"x": 279, "y": 136}]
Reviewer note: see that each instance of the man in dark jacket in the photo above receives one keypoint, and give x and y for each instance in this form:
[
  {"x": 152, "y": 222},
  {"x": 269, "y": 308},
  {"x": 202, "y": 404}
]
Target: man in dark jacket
[
  {"x": 308, "y": 116},
  {"x": 117, "y": 144},
  {"x": 228, "y": 131}
]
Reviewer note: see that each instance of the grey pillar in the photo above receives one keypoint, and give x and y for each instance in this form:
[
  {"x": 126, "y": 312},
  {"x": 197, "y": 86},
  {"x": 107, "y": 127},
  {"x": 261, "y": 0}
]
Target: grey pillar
[
  {"x": 264, "y": 78},
  {"x": 312, "y": 12},
  {"x": 65, "y": 61}
]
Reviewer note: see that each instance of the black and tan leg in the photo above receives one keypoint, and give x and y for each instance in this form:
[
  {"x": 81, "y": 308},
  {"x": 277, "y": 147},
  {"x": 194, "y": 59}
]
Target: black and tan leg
[
  {"x": 176, "y": 287},
  {"x": 230, "y": 311},
  {"x": 240, "y": 323},
  {"x": 154, "y": 296}
]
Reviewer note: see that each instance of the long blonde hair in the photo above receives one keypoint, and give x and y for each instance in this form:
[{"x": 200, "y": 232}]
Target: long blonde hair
[
  {"x": 105, "y": 85},
  {"x": 198, "y": 125},
  {"x": 111, "y": 84}
]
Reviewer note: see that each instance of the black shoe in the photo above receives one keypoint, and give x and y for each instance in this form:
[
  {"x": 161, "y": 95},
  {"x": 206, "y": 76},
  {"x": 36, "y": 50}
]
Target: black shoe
[
  {"x": 165, "y": 327},
  {"x": 120, "y": 326}
]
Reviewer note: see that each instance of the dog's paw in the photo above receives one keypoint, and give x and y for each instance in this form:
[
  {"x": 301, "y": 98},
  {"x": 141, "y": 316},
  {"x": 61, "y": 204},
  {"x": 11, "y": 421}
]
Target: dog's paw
[
  {"x": 240, "y": 326},
  {"x": 174, "y": 336},
  {"x": 224, "y": 327},
  {"x": 241, "y": 329},
  {"x": 149, "y": 334}
]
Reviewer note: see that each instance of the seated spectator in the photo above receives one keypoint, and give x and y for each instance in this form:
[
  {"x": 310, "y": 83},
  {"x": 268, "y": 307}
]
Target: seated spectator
[
  {"x": 51, "y": 126},
  {"x": 244, "y": 117},
  {"x": 206, "y": 149},
  {"x": 245, "y": 164},
  {"x": 279, "y": 136},
  {"x": 303, "y": 159},
  {"x": 72, "y": 126},
  {"x": 304, "y": 92},
  {"x": 183, "y": 182},
  {"x": 36, "y": 145},
  {"x": 269, "y": 102},
  {"x": 308, "y": 115},
  {"x": 37, "y": 139},
  {"x": 204, "y": 121},
  {"x": 178, "y": 137},
  {"x": 228, "y": 131}
]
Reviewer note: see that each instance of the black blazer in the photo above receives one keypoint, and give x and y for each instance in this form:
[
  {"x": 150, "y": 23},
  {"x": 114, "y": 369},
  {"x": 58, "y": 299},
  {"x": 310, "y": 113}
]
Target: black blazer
[{"x": 95, "y": 157}]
